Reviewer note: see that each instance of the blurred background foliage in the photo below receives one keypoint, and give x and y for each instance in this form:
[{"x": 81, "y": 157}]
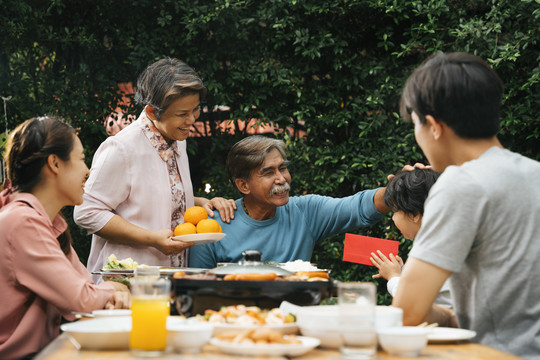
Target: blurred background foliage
[{"x": 331, "y": 68}]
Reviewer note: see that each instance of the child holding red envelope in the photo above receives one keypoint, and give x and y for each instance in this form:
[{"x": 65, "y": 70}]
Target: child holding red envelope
[{"x": 405, "y": 195}]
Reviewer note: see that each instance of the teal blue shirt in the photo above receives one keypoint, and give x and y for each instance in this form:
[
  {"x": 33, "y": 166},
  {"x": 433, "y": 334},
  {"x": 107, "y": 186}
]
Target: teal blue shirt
[{"x": 293, "y": 231}]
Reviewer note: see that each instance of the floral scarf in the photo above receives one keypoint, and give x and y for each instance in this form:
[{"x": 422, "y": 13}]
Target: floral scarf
[{"x": 169, "y": 153}]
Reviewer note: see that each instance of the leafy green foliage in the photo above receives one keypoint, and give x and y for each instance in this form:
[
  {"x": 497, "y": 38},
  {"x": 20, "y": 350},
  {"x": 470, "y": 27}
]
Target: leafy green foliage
[{"x": 333, "y": 68}]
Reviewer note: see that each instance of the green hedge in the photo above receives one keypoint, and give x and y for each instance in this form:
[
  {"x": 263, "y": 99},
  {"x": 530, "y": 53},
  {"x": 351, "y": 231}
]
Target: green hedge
[{"x": 334, "y": 68}]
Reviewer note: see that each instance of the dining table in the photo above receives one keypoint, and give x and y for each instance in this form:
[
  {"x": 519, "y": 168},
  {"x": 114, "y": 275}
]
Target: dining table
[{"x": 62, "y": 348}]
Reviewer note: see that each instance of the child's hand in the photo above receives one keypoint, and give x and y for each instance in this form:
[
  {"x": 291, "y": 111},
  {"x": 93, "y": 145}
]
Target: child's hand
[{"x": 388, "y": 268}]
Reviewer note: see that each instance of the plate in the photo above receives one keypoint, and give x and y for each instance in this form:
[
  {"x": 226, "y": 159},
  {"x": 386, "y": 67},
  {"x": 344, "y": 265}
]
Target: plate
[
  {"x": 109, "y": 333},
  {"x": 308, "y": 344},
  {"x": 444, "y": 334},
  {"x": 111, "y": 313},
  {"x": 162, "y": 270},
  {"x": 203, "y": 238},
  {"x": 291, "y": 328}
]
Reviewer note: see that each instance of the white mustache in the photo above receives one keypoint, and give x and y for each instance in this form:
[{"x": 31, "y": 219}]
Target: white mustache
[{"x": 280, "y": 188}]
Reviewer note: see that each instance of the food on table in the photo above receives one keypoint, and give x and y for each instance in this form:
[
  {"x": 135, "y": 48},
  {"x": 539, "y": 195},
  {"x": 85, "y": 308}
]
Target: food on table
[
  {"x": 185, "y": 229},
  {"x": 251, "y": 276},
  {"x": 124, "y": 264},
  {"x": 299, "y": 276},
  {"x": 311, "y": 276},
  {"x": 246, "y": 315},
  {"x": 195, "y": 214},
  {"x": 200, "y": 276},
  {"x": 299, "y": 265},
  {"x": 258, "y": 335}
]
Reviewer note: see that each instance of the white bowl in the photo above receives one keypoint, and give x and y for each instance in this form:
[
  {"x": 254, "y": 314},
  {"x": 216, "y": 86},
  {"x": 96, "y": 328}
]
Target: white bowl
[
  {"x": 388, "y": 316},
  {"x": 322, "y": 322},
  {"x": 403, "y": 340},
  {"x": 111, "y": 333},
  {"x": 111, "y": 313},
  {"x": 187, "y": 337}
]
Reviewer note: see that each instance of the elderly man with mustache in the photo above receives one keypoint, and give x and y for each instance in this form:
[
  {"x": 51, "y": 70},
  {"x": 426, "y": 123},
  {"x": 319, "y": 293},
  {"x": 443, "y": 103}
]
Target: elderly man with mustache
[{"x": 281, "y": 228}]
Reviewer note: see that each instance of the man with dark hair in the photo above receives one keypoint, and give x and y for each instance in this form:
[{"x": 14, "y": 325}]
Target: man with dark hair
[
  {"x": 281, "y": 228},
  {"x": 481, "y": 217}
]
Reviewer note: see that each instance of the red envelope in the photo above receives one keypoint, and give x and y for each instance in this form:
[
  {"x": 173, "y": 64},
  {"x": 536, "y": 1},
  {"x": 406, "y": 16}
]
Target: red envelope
[{"x": 358, "y": 248}]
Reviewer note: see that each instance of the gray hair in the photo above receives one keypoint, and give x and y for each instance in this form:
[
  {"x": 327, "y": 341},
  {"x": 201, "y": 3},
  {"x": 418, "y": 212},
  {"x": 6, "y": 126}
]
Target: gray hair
[
  {"x": 249, "y": 153},
  {"x": 166, "y": 80}
]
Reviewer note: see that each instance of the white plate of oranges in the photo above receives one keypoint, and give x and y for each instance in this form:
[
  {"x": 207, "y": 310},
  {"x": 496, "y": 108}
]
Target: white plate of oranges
[
  {"x": 198, "y": 228},
  {"x": 198, "y": 239}
]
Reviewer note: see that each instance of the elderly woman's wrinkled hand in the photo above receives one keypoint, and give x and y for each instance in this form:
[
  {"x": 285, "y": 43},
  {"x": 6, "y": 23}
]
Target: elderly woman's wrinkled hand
[
  {"x": 162, "y": 240},
  {"x": 226, "y": 208}
]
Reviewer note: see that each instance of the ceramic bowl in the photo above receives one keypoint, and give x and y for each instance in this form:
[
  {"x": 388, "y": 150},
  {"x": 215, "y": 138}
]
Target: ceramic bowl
[
  {"x": 322, "y": 322},
  {"x": 187, "y": 337},
  {"x": 388, "y": 316},
  {"x": 109, "y": 333},
  {"x": 403, "y": 340}
]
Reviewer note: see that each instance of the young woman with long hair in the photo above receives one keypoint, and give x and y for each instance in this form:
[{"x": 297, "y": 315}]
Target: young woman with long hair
[{"x": 42, "y": 276}]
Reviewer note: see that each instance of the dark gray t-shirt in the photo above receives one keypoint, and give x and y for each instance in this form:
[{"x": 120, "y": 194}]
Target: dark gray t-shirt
[{"x": 482, "y": 222}]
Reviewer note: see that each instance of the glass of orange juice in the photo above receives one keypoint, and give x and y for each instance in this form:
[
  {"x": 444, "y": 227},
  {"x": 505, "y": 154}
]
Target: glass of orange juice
[{"x": 150, "y": 307}]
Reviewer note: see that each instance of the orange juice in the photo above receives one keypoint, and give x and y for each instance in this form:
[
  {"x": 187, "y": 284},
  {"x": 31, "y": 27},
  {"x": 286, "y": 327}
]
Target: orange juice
[{"x": 148, "y": 322}]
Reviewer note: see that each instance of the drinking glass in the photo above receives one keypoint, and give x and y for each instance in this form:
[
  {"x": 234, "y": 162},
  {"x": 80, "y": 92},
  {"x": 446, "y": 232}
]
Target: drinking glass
[
  {"x": 356, "y": 320},
  {"x": 150, "y": 307}
]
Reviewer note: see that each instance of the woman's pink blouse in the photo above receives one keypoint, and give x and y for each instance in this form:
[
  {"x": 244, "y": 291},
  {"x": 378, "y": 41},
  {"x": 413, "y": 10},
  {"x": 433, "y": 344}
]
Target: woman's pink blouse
[
  {"x": 39, "y": 283},
  {"x": 128, "y": 178}
]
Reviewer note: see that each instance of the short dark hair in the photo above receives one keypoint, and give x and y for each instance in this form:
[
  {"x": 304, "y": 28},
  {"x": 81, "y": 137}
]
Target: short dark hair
[
  {"x": 166, "y": 80},
  {"x": 407, "y": 190},
  {"x": 459, "y": 89},
  {"x": 249, "y": 153}
]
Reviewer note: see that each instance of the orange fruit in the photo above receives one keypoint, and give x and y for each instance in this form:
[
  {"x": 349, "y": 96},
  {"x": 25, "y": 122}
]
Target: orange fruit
[
  {"x": 195, "y": 214},
  {"x": 185, "y": 229},
  {"x": 208, "y": 226}
]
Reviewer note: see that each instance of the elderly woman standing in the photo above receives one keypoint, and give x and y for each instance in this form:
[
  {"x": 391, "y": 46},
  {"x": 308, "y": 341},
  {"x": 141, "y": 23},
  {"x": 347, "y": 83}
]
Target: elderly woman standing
[
  {"x": 42, "y": 277},
  {"x": 139, "y": 185}
]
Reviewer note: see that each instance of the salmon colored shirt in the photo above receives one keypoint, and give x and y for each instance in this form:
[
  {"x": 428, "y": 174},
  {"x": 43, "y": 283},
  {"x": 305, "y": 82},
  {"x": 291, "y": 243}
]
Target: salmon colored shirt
[{"x": 39, "y": 283}]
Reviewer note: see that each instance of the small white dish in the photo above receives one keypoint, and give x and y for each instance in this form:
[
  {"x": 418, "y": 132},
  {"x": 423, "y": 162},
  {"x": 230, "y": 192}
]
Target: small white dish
[
  {"x": 187, "y": 337},
  {"x": 307, "y": 345},
  {"x": 445, "y": 334},
  {"x": 322, "y": 322},
  {"x": 329, "y": 338},
  {"x": 403, "y": 340},
  {"x": 388, "y": 316},
  {"x": 111, "y": 313},
  {"x": 109, "y": 333},
  {"x": 203, "y": 238}
]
